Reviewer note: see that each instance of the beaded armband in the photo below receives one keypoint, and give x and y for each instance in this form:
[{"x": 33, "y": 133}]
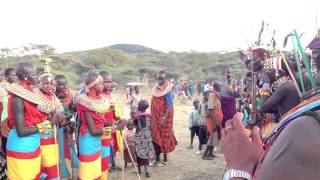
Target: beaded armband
[
  {"x": 45, "y": 128},
  {"x": 108, "y": 131},
  {"x": 265, "y": 90},
  {"x": 265, "y": 93}
]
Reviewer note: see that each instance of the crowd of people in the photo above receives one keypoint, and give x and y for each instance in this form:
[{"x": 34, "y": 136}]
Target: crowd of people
[
  {"x": 266, "y": 128},
  {"x": 48, "y": 129},
  {"x": 274, "y": 134},
  {"x": 218, "y": 100}
]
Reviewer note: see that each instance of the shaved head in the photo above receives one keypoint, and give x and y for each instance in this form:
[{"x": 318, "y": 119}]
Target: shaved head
[{"x": 26, "y": 72}]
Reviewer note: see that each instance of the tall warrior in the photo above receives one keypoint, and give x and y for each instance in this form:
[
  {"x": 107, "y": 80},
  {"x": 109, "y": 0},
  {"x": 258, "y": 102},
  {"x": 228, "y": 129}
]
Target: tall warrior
[{"x": 162, "y": 118}]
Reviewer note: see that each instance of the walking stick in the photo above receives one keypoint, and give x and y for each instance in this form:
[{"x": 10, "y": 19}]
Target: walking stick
[
  {"x": 120, "y": 148},
  {"x": 291, "y": 74},
  {"x": 134, "y": 164},
  {"x": 122, "y": 162},
  {"x": 55, "y": 128},
  {"x": 73, "y": 145}
]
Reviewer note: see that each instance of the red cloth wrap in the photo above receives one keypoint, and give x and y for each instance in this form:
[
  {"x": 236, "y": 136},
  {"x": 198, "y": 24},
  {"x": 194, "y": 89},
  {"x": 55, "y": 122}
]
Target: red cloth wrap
[
  {"x": 164, "y": 136},
  {"x": 97, "y": 117},
  {"x": 32, "y": 115},
  {"x": 211, "y": 126}
]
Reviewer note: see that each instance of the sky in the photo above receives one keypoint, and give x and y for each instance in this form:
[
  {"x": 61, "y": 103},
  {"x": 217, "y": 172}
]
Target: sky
[{"x": 165, "y": 25}]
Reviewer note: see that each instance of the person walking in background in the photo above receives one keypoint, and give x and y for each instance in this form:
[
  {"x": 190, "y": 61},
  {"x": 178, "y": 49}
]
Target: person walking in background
[
  {"x": 190, "y": 90},
  {"x": 127, "y": 92},
  {"x": 135, "y": 98}
]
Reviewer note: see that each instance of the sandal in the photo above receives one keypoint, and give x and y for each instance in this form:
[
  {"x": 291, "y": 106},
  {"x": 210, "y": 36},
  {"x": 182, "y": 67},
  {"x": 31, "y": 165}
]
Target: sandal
[
  {"x": 160, "y": 164},
  {"x": 164, "y": 163},
  {"x": 147, "y": 175}
]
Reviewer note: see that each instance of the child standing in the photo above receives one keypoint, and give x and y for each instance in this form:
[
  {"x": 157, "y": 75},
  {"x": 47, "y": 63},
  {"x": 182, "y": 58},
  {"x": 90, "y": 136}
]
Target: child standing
[
  {"x": 143, "y": 140},
  {"x": 194, "y": 122},
  {"x": 197, "y": 124},
  {"x": 202, "y": 125},
  {"x": 128, "y": 135}
]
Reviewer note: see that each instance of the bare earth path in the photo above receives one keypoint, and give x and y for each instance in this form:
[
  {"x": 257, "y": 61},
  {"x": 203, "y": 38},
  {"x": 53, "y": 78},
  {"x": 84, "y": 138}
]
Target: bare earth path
[{"x": 183, "y": 164}]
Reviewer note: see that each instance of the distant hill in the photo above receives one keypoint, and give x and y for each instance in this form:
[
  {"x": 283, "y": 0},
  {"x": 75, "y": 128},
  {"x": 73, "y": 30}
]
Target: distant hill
[
  {"x": 133, "y": 48},
  {"x": 137, "y": 63}
]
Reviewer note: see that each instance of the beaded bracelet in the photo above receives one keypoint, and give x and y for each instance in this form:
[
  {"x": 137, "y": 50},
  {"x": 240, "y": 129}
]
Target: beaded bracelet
[
  {"x": 265, "y": 93},
  {"x": 40, "y": 128}
]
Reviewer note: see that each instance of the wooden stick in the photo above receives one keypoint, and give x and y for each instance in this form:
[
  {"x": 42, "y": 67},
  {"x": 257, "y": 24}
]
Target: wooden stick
[
  {"x": 134, "y": 164},
  {"x": 55, "y": 129},
  {"x": 122, "y": 161},
  {"x": 291, "y": 74}
]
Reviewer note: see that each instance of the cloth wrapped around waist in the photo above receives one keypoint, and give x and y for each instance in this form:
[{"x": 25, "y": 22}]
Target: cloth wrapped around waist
[{"x": 211, "y": 125}]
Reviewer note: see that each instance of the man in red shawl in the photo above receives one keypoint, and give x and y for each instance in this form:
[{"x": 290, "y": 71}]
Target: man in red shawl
[{"x": 162, "y": 118}]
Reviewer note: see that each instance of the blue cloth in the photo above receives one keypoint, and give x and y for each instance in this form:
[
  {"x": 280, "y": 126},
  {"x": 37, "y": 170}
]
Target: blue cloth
[
  {"x": 23, "y": 144},
  {"x": 89, "y": 144},
  {"x": 64, "y": 173},
  {"x": 190, "y": 89},
  {"x": 169, "y": 98},
  {"x": 202, "y": 87},
  {"x": 111, "y": 155}
]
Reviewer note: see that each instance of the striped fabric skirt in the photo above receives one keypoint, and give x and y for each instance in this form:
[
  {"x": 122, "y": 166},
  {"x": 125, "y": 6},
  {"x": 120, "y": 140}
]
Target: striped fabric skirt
[
  {"x": 49, "y": 157},
  {"x": 23, "y": 156},
  {"x": 89, "y": 156},
  {"x": 105, "y": 155},
  {"x": 68, "y": 157}
]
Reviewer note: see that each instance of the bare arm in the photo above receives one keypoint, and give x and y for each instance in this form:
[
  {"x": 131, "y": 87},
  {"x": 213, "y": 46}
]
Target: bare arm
[
  {"x": 91, "y": 126},
  {"x": 18, "y": 115},
  {"x": 139, "y": 124},
  {"x": 108, "y": 123},
  {"x": 273, "y": 100}
]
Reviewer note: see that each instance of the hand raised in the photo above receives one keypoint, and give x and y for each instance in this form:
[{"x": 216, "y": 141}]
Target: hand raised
[{"x": 240, "y": 151}]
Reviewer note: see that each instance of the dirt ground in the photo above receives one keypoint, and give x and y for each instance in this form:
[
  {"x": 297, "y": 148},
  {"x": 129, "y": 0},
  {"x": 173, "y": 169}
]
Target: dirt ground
[{"x": 183, "y": 164}]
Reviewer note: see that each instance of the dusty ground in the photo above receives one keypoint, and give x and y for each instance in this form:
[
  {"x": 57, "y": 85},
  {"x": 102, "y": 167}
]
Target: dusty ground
[{"x": 183, "y": 164}]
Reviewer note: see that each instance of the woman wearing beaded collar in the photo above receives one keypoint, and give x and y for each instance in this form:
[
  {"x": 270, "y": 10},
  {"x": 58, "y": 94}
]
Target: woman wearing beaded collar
[
  {"x": 48, "y": 143},
  {"x": 91, "y": 107},
  {"x": 23, "y": 146}
]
